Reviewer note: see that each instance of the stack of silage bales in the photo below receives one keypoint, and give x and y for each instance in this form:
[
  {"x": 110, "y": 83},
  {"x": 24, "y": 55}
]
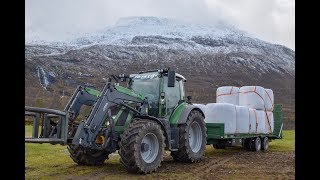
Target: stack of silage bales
[{"x": 243, "y": 110}]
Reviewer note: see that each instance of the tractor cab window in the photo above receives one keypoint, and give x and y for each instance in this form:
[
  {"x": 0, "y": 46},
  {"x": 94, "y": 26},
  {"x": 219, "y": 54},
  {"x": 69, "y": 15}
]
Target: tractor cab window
[
  {"x": 148, "y": 85},
  {"x": 172, "y": 95}
]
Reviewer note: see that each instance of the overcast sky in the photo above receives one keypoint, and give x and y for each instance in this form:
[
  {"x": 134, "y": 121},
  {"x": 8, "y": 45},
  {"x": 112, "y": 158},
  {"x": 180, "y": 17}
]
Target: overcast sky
[{"x": 269, "y": 20}]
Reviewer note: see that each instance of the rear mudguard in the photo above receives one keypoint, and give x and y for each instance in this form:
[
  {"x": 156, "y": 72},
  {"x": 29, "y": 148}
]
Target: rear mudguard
[{"x": 181, "y": 113}]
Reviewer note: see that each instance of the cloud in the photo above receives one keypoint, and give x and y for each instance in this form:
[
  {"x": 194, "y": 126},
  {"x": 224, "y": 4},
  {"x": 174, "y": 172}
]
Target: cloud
[{"x": 270, "y": 20}]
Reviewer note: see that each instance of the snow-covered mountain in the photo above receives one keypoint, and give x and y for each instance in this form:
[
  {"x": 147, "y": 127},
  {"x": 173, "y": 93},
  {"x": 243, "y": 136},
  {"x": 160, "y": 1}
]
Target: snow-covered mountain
[
  {"x": 127, "y": 28},
  {"x": 208, "y": 55},
  {"x": 164, "y": 33}
]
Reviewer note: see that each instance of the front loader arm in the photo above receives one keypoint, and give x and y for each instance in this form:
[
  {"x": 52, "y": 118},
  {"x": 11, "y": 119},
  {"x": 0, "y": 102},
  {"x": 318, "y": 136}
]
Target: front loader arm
[
  {"x": 81, "y": 96},
  {"x": 111, "y": 96}
]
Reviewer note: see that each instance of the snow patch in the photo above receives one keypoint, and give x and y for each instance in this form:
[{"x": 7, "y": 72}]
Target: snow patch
[{"x": 42, "y": 77}]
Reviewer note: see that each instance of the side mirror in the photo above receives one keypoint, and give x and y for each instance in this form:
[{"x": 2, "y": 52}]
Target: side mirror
[{"x": 171, "y": 78}]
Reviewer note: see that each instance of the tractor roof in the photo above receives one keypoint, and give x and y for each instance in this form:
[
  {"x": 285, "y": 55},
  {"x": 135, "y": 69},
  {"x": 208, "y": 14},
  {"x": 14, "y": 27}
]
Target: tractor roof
[{"x": 156, "y": 71}]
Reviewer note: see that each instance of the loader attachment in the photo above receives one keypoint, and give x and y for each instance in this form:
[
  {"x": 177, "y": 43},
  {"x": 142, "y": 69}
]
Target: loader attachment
[
  {"x": 53, "y": 125},
  {"x": 58, "y": 127},
  {"x": 62, "y": 127}
]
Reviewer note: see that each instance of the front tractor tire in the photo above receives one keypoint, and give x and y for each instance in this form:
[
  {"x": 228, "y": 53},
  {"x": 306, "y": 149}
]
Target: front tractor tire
[
  {"x": 192, "y": 139},
  {"x": 88, "y": 157},
  {"x": 142, "y": 146}
]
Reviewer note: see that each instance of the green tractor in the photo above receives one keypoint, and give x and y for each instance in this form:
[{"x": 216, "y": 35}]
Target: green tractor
[{"x": 142, "y": 120}]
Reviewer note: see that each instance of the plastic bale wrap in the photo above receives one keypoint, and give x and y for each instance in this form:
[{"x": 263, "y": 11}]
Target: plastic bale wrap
[
  {"x": 201, "y": 106},
  {"x": 269, "y": 116},
  {"x": 253, "y": 121},
  {"x": 222, "y": 113},
  {"x": 261, "y": 117},
  {"x": 252, "y": 97},
  {"x": 228, "y": 94},
  {"x": 243, "y": 120},
  {"x": 268, "y": 100}
]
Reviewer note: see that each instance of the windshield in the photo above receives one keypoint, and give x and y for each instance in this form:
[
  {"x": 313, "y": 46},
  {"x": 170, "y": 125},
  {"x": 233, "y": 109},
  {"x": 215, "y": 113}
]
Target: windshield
[{"x": 148, "y": 85}]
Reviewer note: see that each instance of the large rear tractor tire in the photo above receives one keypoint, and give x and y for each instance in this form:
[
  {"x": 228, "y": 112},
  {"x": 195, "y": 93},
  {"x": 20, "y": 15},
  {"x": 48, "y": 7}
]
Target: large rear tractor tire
[
  {"x": 142, "y": 146},
  {"x": 83, "y": 156},
  {"x": 192, "y": 139}
]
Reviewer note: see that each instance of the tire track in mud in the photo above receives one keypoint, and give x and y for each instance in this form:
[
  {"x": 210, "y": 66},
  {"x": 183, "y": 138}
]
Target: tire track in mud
[{"x": 214, "y": 163}]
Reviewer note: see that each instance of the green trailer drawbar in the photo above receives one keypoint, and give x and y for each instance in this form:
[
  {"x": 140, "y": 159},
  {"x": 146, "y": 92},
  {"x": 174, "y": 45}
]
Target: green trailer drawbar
[{"x": 217, "y": 137}]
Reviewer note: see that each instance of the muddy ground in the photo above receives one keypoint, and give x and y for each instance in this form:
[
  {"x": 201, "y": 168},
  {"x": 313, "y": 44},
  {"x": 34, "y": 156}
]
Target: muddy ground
[
  {"x": 238, "y": 164},
  {"x": 45, "y": 161}
]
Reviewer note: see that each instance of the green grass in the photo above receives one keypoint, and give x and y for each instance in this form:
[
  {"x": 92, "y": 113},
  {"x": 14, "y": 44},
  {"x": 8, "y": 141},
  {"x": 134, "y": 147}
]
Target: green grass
[
  {"x": 28, "y": 131},
  {"x": 285, "y": 144},
  {"x": 46, "y": 161}
]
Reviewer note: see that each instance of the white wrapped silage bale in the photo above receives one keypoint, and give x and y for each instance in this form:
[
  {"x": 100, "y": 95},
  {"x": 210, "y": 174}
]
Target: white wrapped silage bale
[
  {"x": 252, "y": 97},
  {"x": 261, "y": 117},
  {"x": 228, "y": 94},
  {"x": 243, "y": 120},
  {"x": 253, "y": 121},
  {"x": 268, "y": 100},
  {"x": 269, "y": 117},
  {"x": 222, "y": 113}
]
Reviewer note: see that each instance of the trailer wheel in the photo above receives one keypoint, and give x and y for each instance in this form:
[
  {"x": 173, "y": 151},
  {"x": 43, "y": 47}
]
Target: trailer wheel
[
  {"x": 247, "y": 144},
  {"x": 142, "y": 146},
  {"x": 192, "y": 139},
  {"x": 85, "y": 156},
  {"x": 265, "y": 143},
  {"x": 256, "y": 144}
]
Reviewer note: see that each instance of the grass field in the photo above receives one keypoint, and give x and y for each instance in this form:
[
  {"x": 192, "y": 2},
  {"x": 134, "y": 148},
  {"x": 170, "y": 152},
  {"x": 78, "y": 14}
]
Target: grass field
[{"x": 46, "y": 161}]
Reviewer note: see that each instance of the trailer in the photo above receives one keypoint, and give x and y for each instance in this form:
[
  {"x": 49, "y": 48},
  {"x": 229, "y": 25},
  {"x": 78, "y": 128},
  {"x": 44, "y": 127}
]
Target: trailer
[{"x": 252, "y": 142}]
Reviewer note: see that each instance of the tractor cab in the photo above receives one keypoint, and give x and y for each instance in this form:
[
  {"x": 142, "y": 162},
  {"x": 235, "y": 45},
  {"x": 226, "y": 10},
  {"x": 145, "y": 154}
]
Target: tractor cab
[{"x": 163, "y": 89}]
